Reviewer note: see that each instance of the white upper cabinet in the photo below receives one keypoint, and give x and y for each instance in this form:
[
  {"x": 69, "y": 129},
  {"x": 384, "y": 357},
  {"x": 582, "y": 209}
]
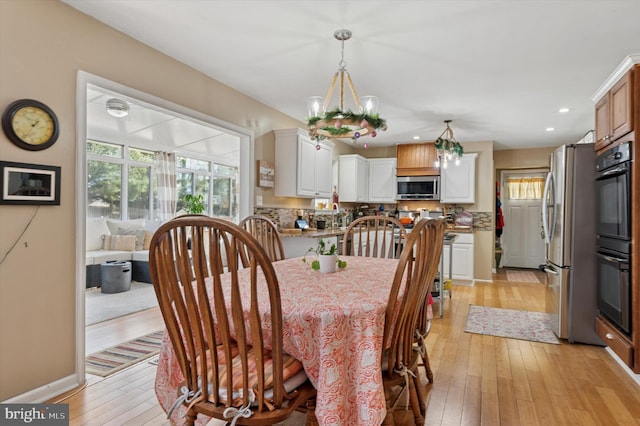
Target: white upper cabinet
[
  {"x": 382, "y": 180},
  {"x": 458, "y": 183},
  {"x": 353, "y": 178},
  {"x": 301, "y": 169}
]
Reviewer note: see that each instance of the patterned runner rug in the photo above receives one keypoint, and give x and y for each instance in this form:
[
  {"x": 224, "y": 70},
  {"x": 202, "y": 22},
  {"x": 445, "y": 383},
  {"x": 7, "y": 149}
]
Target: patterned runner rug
[
  {"x": 116, "y": 358},
  {"x": 522, "y": 276},
  {"x": 523, "y": 325}
]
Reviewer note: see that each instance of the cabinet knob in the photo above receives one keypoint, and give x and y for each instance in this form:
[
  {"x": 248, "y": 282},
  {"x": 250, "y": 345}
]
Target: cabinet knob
[
  {"x": 609, "y": 336},
  {"x": 607, "y": 137}
]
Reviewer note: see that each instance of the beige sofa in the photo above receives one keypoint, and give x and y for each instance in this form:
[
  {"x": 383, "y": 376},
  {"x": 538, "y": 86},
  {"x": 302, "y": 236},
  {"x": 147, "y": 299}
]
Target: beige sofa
[{"x": 118, "y": 240}]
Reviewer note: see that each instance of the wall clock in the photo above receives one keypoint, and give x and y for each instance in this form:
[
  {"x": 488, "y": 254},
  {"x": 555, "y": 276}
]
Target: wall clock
[{"x": 30, "y": 124}]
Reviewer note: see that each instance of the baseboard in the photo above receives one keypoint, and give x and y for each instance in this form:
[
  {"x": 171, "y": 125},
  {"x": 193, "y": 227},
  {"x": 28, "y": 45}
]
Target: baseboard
[
  {"x": 46, "y": 392},
  {"x": 625, "y": 367},
  {"x": 483, "y": 281}
]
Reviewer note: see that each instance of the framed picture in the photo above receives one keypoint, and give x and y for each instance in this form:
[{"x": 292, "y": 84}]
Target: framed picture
[
  {"x": 29, "y": 184},
  {"x": 266, "y": 174}
]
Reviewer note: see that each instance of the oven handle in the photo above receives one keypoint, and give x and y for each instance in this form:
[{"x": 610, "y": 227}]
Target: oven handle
[
  {"x": 549, "y": 271},
  {"x": 612, "y": 258},
  {"x": 613, "y": 172}
]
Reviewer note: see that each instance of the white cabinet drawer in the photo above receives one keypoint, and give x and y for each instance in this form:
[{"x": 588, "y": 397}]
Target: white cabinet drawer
[{"x": 463, "y": 238}]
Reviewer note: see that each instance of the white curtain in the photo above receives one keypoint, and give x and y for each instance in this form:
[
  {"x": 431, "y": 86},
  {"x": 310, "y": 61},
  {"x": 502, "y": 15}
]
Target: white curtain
[
  {"x": 528, "y": 188},
  {"x": 166, "y": 175}
]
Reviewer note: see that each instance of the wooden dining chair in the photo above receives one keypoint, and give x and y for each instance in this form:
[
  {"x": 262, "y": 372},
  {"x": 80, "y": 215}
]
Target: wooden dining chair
[
  {"x": 424, "y": 318},
  {"x": 374, "y": 236},
  {"x": 412, "y": 283},
  {"x": 265, "y": 231},
  {"x": 423, "y": 325},
  {"x": 225, "y": 324}
]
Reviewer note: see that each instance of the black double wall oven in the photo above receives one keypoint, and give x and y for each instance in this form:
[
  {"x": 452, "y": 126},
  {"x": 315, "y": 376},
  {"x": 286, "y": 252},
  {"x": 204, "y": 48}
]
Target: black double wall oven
[{"x": 613, "y": 191}]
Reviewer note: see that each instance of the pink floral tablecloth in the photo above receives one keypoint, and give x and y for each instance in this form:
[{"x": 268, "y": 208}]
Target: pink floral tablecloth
[{"x": 334, "y": 324}]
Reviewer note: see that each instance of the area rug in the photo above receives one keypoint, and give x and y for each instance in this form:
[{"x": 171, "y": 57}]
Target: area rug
[
  {"x": 523, "y": 325},
  {"x": 522, "y": 276},
  {"x": 103, "y": 306},
  {"x": 116, "y": 358}
]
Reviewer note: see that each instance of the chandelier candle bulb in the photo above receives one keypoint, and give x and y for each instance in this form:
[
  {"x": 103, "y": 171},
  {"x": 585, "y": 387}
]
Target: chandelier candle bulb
[
  {"x": 315, "y": 106},
  {"x": 369, "y": 105}
]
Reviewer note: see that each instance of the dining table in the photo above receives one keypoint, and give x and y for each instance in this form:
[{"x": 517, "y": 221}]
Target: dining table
[{"x": 334, "y": 324}]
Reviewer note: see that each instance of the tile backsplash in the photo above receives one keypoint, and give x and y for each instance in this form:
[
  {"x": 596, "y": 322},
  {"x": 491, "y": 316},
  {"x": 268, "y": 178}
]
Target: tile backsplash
[{"x": 482, "y": 221}]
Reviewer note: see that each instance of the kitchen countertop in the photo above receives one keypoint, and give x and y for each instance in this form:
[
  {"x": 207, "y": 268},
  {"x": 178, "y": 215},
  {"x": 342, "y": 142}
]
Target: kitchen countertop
[
  {"x": 318, "y": 233},
  {"x": 459, "y": 230},
  {"x": 332, "y": 232}
]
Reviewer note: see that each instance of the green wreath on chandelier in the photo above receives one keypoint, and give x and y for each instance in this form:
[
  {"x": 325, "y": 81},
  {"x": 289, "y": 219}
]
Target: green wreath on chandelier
[
  {"x": 449, "y": 145},
  {"x": 328, "y": 121}
]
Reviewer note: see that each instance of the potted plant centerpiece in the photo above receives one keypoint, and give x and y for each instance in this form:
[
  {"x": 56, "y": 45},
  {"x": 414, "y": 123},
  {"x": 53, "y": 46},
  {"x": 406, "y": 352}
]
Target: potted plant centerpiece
[{"x": 327, "y": 260}]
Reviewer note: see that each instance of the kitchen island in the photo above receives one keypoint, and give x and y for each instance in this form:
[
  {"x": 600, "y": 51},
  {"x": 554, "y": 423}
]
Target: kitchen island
[{"x": 296, "y": 245}]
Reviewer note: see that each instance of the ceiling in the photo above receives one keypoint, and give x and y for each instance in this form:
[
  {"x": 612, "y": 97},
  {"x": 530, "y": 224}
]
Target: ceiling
[
  {"x": 152, "y": 127},
  {"x": 500, "y": 70}
]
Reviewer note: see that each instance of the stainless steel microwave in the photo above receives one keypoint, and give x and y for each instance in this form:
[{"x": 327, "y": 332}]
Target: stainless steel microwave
[{"x": 418, "y": 188}]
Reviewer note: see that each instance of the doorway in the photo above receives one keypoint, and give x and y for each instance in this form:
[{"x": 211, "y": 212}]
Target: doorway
[
  {"x": 522, "y": 239},
  {"x": 244, "y": 155}
]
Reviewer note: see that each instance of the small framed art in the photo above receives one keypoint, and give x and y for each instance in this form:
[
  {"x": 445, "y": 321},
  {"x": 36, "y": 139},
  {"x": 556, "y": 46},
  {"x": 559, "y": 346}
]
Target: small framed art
[
  {"x": 266, "y": 174},
  {"x": 29, "y": 184}
]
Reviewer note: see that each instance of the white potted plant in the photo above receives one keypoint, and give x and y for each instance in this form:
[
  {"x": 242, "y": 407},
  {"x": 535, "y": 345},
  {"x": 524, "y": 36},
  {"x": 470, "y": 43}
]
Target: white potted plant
[{"x": 328, "y": 260}]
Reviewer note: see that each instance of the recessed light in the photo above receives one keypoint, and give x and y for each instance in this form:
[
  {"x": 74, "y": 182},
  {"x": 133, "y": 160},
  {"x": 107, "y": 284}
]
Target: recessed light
[
  {"x": 415, "y": 138},
  {"x": 563, "y": 110},
  {"x": 550, "y": 129}
]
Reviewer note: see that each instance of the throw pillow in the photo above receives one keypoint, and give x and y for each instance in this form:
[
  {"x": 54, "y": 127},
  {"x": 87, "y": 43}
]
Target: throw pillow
[
  {"x": 147, "y": 240},
  {"x": 138, "y": 232},
  {"x": 119, "y": 242},
  {"x": 114, "y": 224}
]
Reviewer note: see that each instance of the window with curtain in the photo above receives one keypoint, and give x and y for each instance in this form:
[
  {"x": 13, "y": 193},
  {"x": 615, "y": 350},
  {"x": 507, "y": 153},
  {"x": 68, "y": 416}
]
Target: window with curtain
[{"x": 525, "y": 188}]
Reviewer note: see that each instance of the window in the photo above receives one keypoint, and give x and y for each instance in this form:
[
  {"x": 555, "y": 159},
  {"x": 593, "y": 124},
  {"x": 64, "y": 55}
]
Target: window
[
  {"x": 217, "y": 183},
  {"x": 525, "y": 188},
  {"x": 116, "y": 173}
]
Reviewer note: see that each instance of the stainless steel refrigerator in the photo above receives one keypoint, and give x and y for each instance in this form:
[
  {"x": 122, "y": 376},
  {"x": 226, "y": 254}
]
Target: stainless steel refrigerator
[{"x": 569, "y": 224}]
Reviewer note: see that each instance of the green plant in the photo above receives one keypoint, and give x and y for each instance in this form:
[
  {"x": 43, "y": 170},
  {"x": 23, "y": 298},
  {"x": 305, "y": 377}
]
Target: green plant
[
  {"x": 322, "y": 250},
  {"x": 194, "y": 204}
]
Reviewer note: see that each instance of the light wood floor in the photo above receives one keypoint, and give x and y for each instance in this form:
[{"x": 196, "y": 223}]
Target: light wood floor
[{"x": 479, "y": 380}]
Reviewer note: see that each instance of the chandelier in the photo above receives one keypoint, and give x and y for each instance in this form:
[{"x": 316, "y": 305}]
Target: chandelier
[
  {"x": 447, "y": 147},
  {"x": 340, "y": 122}
]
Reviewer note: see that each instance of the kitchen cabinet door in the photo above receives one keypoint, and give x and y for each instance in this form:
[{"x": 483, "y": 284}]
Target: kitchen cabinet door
[
  {"x": 416, "y": 159},
  {"x": 462, "y": 254},
  {"x": 458, "y": 183},
  {"x": 614, "y": 113},
  {"x": 382, "y": 180},
  {"x": 301, "y": 169},
  {"x": 353, "y": 178}
]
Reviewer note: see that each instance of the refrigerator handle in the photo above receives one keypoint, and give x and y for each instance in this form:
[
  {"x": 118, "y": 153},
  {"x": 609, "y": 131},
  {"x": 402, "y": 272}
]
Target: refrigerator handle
[{"x": 548, "y": 230}]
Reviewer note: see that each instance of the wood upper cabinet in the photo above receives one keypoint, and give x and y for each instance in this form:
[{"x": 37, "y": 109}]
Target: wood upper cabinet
[
  {"x": 416, "y": 159},
  {"x": 614, "y": 112}
]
